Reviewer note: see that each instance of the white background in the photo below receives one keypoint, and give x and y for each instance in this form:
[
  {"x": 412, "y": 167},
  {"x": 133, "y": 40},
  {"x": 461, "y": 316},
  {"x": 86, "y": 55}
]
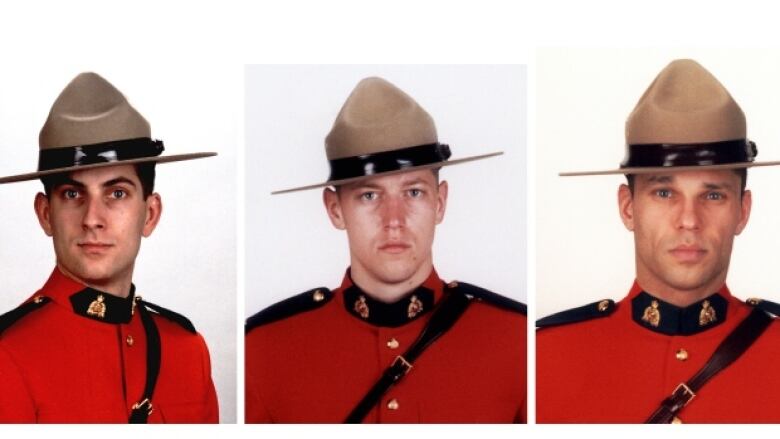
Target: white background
[
  {"x": 188, "y": 264},
  {"x": 230, "y": 33},
  {"x": 292, "y": 246},
  {"x": 583, "y": 100}
]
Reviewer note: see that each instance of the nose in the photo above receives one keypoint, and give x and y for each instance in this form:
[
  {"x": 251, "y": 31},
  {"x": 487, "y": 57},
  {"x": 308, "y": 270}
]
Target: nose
[
  {"x": 689, "y": 215},
  {"x": 393, "y": 212},
  {"x": 94, "y": 214}
]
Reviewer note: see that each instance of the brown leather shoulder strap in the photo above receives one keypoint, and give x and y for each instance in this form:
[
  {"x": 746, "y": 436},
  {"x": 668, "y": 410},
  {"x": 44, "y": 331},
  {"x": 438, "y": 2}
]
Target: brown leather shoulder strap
[
  {"x": 443, "y": 318},
  {"x": 732, "y": 347}
]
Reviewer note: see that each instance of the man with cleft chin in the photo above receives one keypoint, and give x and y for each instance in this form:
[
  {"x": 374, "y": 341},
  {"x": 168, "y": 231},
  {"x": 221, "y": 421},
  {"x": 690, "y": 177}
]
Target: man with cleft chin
[
  {"x": 86, "y": 347},
  {"x": 394, "y": 343},
  {"x": 679, "y": 347}
]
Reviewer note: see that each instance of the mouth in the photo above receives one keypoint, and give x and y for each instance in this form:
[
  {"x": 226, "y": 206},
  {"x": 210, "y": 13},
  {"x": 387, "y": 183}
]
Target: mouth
[
  {"x": 394, "y": 247},
  {"x": 688, "y": 253},
  {"x": 92, "y": 247}
]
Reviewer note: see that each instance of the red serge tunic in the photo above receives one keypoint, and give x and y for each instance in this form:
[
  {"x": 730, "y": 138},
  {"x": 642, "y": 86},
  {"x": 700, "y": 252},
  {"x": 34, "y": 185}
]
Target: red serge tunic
[
  {"x": 316, "y": 365},
  {"x": 618, "y": 368},
  {"x": 63, "y": 364}
]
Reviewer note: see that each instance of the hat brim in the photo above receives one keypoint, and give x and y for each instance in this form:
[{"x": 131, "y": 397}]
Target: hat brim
[
  {"x": 156, "y": 159},
  {"x": 664, "y": 169},
  {"x": 399, "y": 171}
]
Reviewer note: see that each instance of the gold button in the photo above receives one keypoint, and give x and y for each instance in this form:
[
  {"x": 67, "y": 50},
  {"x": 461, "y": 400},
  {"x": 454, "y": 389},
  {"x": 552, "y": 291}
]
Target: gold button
[
  {"x": 129, "y": 340},
  {"x": 753, "y": 301},
  {"x": 318, "y": 296},
  {"x": 682, "y": 355},
  {"x": 453, "y": 284},
  {"x": 676, "y": 420},
  {"x": 603, "y": 305},
  {"x": 393, "y": 343},
  {"x": 392, "y": 404}
]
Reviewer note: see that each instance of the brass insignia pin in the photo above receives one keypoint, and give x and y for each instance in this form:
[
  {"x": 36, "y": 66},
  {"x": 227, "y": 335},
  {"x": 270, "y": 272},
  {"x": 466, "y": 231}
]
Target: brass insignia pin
[
  {"x": 361, "y": 307},
  {"x": 652, "y": 315},
  {"x": 415, "y": 307},
  {"x": 97, "y": 307},
  {"x": 707, "y": 314}
]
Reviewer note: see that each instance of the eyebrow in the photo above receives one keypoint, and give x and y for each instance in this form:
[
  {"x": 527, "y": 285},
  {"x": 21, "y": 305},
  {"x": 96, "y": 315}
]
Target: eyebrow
[
  {"x": 416, "y": 181},
  {"x": 660, "y": 179},
  {"x": 119, "y": 180},
  {"x": 665, "y": 179},
  {"x": 112, "y": 182},
  {"x": 364, "y": 186},
  {"x": 716, "y": 186}
]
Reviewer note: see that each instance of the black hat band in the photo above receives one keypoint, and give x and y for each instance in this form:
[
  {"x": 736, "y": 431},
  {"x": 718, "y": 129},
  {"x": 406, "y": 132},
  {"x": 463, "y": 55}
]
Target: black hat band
[
  {"x": 663, "y": 155},
  {"x": 387, "y": 161},
  {"x": 116, "y": 151}
]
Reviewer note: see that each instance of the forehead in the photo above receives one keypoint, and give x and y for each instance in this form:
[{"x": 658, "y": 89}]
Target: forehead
[
  {"x": 105, "y": 174},
  {"x": 722, "y": 177},
  {"x": 422, "y": 176}
]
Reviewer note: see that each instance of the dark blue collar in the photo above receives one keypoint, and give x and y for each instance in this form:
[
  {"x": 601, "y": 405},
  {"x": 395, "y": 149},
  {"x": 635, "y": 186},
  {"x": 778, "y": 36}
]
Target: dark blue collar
[
  {"x": 409, "y": 307},
  {"x": 659, "y": 316},
  {"x": 104, "y": 307}
]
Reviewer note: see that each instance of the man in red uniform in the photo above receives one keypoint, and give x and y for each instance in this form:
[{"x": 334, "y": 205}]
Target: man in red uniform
[
  {"x": 679, "y": 347},
  {"x": 394, "y": 342},
  {"x": 86, "y": 347}
]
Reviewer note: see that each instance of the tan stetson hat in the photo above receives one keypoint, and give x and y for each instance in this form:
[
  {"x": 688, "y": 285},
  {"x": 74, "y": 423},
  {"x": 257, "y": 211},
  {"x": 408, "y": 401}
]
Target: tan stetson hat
[
  {"x": 92, "y": 125},
  {"x": 382, "y": 130},
  {"x": 686, "y": 120}
]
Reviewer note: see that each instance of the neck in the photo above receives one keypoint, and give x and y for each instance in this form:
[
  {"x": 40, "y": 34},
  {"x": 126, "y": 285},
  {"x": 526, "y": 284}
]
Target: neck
[
  {"x": 116, "y": 287},
  {"x": 388, "y": 291},
  {"x": 681, "y": 297}
]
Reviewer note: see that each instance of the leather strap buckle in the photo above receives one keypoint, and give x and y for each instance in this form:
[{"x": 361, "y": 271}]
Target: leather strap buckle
[
  {"x": 400, "y": 367},
  {"x": 145, "y": 403},
  {"x": 683, "y": 395}
]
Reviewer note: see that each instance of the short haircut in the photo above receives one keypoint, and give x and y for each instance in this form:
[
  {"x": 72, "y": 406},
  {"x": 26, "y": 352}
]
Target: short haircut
[
  {"x": 741, "y": 172},
  {"x": 145, "y": 171}
]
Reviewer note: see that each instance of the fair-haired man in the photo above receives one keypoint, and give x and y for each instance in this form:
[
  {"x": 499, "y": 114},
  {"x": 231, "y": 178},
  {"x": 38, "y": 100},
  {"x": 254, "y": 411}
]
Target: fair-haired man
[
  {"x": 679, "y": 347},
  {"x": 86, "y": 348},
  {"x": 393, "y": 343}
]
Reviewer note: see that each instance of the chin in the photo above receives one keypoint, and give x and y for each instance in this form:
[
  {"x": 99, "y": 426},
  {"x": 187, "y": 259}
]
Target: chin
[
  {"x": 92, "y": 274},
  {"x": 689, "y": 282},
  {"x": 395, "y": 273}
]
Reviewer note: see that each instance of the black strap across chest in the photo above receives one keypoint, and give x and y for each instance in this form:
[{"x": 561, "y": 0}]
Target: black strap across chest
[
  {"x": 442, "y": 319},
  {"x": 732, "y": 347},
  {"x": 143, "y": 408}
]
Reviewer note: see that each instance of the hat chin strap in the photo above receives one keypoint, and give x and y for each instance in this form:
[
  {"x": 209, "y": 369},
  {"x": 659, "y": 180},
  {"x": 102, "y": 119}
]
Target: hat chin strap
[
  {"x": 115, "y": 151},
  {"x": 387, "y": 161},
  {"x": 694, "y": 154}
]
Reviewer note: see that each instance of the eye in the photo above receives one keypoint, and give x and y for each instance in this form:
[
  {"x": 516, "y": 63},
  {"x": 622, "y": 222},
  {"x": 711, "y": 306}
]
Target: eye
[
  {"x": 70, "y": 194},
  {"x": 369, "y": 196},
  {"x": 663, "y": 193},
  {"x": 118, "y": 193},
  {"x": 414, "y": 193},
  {"x": 715, "y": 196}
]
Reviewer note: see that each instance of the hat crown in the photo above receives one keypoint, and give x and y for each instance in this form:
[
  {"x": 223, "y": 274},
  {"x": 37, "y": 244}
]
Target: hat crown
[
  {"x": 376, "y": 117},
  {"x": 685, "y": 104},
  {"x": 91, "y": 110}
]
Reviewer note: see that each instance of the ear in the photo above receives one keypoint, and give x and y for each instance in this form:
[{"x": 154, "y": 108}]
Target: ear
[
  {"x": 626, "y": 206},
  {"x": 441, "y": 201},
  {"x": 747, "y": 204},
  {"x": 42, "y": 211},
  {"x": 333, "y": 206},
  {"x": 153, "y": 213}
]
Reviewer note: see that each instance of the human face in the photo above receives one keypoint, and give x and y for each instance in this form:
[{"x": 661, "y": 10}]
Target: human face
[
  {"x": 96, "y": 220},
  {"x": 390, "y": 223},
  {"x": 684, "y": 225}
]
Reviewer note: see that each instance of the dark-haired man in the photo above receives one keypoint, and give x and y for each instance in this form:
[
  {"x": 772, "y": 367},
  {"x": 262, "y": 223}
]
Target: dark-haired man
[{"x": 86, "y": 347}]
